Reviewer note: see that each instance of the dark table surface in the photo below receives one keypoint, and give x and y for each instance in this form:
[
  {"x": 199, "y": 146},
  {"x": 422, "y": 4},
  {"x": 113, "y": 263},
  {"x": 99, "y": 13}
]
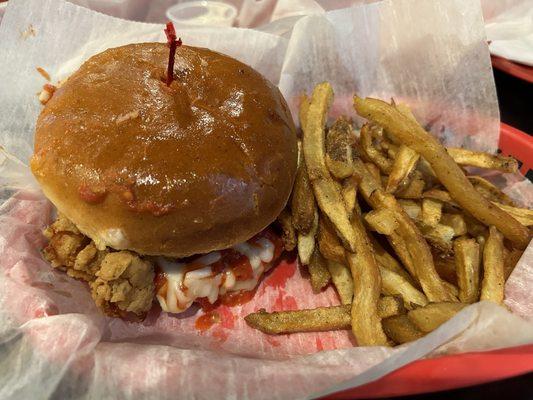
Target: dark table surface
[{"x": 515, "y": 98}]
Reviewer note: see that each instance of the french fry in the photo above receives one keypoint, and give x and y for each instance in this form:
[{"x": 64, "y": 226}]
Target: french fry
[
  {"x": 318, "y": 270},
  {"x": 395, "y": 284},
  {"x": 303, "y": 205},
  {"x": 404, "y": 163},
  {"x": 288, "y": 235},
  {"x": 349, "y": 194},
  {"x": 431, "y": 212},
  {"x": 375, "y": 173},
  {"x": 490, "y": 191},
  {"x": 339, "y": 140},
  {"x": 389, "y": 306},
  {"x": 307, "y": 242},
  {"x": 387, "y": 261},
  {"x": 328, "y": 242},
  {"x": 413, "y": 189},
  {"x": 430, "y": 317},
  {"x": 417, "y": 247},
  {"x": 445, "y": 266},
  {"x": 342, "y": 279},
  {"x": 382, "y": 221},
  {"x": 523, "y": 215},
  {"x": 456, "y": 222},
  {"x": 441, "y": 195},
  {"x": 368, "y": 134},
  {"x": 412, "y": 208},
  {"x": 483, "y": 160},
  {"x": 400, "y": 329},
  {"x": 448, "y": 172},
  {"x": 327, "y": 192},
  {"x": 467, "y": 262},
  {"x": 440, "y": 236},
  {"x": 492, "y": 286},
  {"x": 366, "y": 323},
  {"x": 319, "y": 319}
]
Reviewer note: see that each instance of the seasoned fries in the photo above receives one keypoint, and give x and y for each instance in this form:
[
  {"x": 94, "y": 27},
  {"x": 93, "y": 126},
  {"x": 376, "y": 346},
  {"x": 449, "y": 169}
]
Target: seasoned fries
[
  {"x": 493, "y": 268},
  {"x": 467, "y": 267},
  {"x": 288, "y": 235},
  {"x": 306, "y": 242},
  {"x": 366, "y": 323},
  {"x": 327, "y": 191},
  {"x": 303, "y": 206},
  {"x": 342, "y": 279},
  {"x": 339, "y": 140},
  {"x": 483, "y": 160},
  {"x": 404, "y": 163},
  {"x": 401, "y": 330},
  {"x": 448, "y": 172},
  {"x": 319, "y": 272},
  {"x": 317, "y": 319},
  {"x": 391, "y": 219},
  {"x": 430, "y": 317}
]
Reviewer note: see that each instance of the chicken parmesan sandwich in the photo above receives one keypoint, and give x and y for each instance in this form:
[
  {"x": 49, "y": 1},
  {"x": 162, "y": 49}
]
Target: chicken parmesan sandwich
[{"x": 165, "y": 186}]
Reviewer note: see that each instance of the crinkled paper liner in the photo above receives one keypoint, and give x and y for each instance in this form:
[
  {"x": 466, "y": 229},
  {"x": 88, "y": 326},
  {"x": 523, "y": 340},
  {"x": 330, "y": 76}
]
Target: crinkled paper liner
[{"x": 53, "y": 340}]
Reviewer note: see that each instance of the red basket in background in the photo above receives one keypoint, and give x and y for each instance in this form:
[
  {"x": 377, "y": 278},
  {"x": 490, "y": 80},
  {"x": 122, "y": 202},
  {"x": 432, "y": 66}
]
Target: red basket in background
[{"x": 467, "y": 369}]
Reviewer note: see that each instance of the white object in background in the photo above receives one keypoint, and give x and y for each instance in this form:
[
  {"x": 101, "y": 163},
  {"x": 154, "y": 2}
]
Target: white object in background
[
  {"x": 202, "y": 13},
  {"x": 510, "y": 30},
  {"x": 127, "y": 9}
]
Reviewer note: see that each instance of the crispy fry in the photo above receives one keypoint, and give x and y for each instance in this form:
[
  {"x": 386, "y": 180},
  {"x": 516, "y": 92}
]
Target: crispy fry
[
  {"x": 492, "y": 286},
  {"x": 368, "y": 134},
  {"x": 467, "y": 261},
  {"x": 319, "y": 272},
  {"x": 395, "y": 284},
  {"x": 339, "y": 140},
  {"x": 440, "y": 236},
  {"x": 303, "y": 205},
  {"x": 483, "y": 160},
  {"x": 511, "y": 258},
  {"x": 523, "y": 215},
  {"x": 440, "y": 195},
  {"x": 456, "y": 222},
  {"x": 288, "y": 234},
  {"x": 411, "y": 207},
  {"x": 489, "y": 191},
  {"x": 382, "y": 221},
  {"x": 387, "y": 261},
  {"x": 417, "y": 247},
  {"x": 306, "y": 243},
  {"x": 342, "y": 279},
  {"x": 375, "y": 173},
  {"x": 315, "y": 320},
  {"x": 414, "y": 188},
  {"x": 445, "y": 266},
  {"x": 448, "y": 172},
  {"x": 328, "y": 242},
  {"x": 430, "y": 317},
  {"x": 400, "y": 329},
  {"x": 389, "y": 306},
  {"x": 349, "y": 194},
  {"x": 326, "y": 191},
  {"x": 431, "y": 212},
  {"x": 404, "y": 163},
  {"x": 366, "y": 323}
]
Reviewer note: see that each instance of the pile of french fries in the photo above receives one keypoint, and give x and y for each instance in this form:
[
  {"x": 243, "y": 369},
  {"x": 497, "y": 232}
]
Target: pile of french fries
[{"x": 392, "y": 219}]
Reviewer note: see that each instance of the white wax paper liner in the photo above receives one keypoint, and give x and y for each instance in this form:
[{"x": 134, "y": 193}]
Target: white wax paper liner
[{"x": 55, "y": 343}]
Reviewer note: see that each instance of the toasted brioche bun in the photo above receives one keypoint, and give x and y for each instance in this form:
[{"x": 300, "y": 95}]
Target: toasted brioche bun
[{"x": 198, "y": 166}]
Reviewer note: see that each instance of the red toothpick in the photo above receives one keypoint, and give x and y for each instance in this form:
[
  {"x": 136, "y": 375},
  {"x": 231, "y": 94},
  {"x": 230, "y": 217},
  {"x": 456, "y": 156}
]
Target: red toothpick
[{"x": 173, "y": 44}]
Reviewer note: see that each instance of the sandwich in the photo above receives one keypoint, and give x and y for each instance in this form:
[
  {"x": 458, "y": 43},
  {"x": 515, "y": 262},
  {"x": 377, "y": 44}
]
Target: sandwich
[{"x": 166, "y": 172}]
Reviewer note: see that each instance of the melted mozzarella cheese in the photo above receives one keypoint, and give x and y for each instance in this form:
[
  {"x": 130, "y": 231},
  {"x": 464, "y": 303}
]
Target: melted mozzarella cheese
[{"x": 183, "y": 287}]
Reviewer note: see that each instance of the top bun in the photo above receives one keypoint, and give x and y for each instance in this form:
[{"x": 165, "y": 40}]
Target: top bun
[{"x": 198, "y": 166}]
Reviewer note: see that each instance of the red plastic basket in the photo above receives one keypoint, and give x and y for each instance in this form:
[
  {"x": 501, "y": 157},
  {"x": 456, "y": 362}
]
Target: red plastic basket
[
  {"x": 517, "y": 70},
  {"x": 467, "y": 369}
]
